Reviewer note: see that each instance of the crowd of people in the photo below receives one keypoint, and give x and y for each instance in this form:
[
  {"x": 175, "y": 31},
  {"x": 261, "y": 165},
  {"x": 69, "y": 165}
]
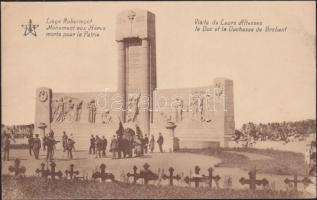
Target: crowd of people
[
  {"x": 18, "y": 131},
  {"x": 121, "y": 145},
  {"x": 284, "y": 131}
]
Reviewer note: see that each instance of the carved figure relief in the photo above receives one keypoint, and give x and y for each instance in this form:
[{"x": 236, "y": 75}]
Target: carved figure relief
[
  {"x": 219, "y": 89},
  {"x": 133, "y": 107},
  {"x": 66, "y": 108},
  {"x": 198, "y": 106},
  {"x": 106, "y": 117},
  {"x": 178, "y": 110},
  {"x": 92, "y": 107}
]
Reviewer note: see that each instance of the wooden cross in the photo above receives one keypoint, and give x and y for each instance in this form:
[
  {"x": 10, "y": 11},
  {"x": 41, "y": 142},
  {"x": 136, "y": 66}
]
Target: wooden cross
[
  {"x": 252, "y": 181},
  {"x": 71, "y": 172},
  {"x": 135, "y": 175},
  {"x": 16, "y": 168},
  {"x": 171, "y": 177},
  {"x": 42, "y": 171},
  {"x": 52, "y": 173},
  {"x": 196, "y": 179},
  {"x": 305, "y": 181},
  {"x": 210, "y": 177},
  {"x": 103, "y": 175},
  {"x": 147, "y": 175}
]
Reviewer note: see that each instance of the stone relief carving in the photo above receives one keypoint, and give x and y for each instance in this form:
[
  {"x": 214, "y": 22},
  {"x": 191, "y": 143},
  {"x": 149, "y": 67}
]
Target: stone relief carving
[
  {"x": 201, "y": 103},
  {"x": 106, "y": 117},
  {"x": 178, "y": 110},
  {"x": 66, "y": 108},
  {"x": 92, "y": 107},
  {"x": 219, "y": 89},
  {"x": 133, "y": 107}
]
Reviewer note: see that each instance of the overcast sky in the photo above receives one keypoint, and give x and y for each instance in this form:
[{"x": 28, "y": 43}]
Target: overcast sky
[{"x": 273, "y": 73}]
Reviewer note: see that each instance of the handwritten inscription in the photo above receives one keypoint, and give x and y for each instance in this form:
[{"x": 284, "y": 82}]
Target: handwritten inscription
[
  {"x": 242, "y": 25},
  {"x": 73, "y": 28}
]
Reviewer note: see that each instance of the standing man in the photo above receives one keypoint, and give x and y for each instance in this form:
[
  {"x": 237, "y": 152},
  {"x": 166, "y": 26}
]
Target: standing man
[
  {"x": 30, "y": 141},
  {"x": 44, "y": 142},
  {"x": 50, "y": 142},
  {"x": 114, "y": 146},
  {"x": 69, "y": 146},
  {"x": 92, "y": 147},
  {"x": 6, "y": 147},
  {"x": 72, "y": 138},
  {"x": 104, "y": 146},
  {"x": 64, "y": 139},
  {"x": 36, "y": 146},
  {"x": 152, "y": 143},
  {"x": 160, "y": 142},
  {"x": 99, "y": 146},
  {"x": 146, "y": 143}
]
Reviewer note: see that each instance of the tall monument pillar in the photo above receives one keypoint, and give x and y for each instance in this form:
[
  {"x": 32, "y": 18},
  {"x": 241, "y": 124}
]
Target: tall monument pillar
[
  {"x": 43, "y": 111},
  {"x": 121, "y": 77},
  {"x": 135, "y": 35}
]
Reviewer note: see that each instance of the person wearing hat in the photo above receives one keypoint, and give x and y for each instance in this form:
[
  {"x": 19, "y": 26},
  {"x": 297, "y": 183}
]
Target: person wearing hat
[
  {"x": 50, "y": 146},
  {"x": 36, "y": 146},
  {"x": 64, "y": 139},
  {"x": 92, "y": 147},
  {"x": 114, "y": 147},
  {"x": 70, "y": 146},
  {"x": 160, "y": 142},
  {"x": 30, "y": 141},
  {"x": 99, "y": 146},
  {"x": 6, "y": 147},
  {"x": 104, "y": 146}
]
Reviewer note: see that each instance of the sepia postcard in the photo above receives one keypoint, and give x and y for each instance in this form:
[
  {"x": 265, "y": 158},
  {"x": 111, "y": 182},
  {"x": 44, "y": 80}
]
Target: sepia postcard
[{"x": 131, "y": 100}]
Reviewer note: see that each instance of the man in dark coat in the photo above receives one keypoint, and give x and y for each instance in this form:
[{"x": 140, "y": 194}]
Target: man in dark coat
[
  {"x": 104, "y": 146},
  {"x": 114, "y": 147},
  {"x": 92, "y": 147},
  {"x": 145, "y": 143},
  {"x": 50, "y": 143},
  {"x": 30, "y": 141},
  {"x": 36, "y": 146},
  {"x": 70, "y": 146},
  {"x": 99, "y": 146},
  {"x": 160, "y": 142},
  {"x": 65, "y": 140},
  {"x": 6, "y": 147}
]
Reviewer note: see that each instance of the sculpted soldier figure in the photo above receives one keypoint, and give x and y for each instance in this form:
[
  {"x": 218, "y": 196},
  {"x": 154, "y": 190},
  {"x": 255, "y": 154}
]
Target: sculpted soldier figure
[
  {"x": 179, "y": 110},
  {"x": 92, "y": 107},
  {"x": 59, "y": 112},
  {"x": 133, "y": 107},
  {"x": 106, "y": 117},
  {"x": 77, "y": 110}
]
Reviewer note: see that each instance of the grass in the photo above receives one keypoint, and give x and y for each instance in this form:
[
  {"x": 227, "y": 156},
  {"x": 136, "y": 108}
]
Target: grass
[
  {"x": 282, "y": 162},
  {"x": 38, "y": 188}
]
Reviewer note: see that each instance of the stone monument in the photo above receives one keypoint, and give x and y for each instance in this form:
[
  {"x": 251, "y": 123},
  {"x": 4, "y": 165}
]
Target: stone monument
[
  {"x": 198, "y": 117},
  {"x": 135, "y": 36}
]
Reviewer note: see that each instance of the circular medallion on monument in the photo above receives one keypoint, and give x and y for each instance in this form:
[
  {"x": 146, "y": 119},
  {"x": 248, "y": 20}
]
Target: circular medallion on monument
[{"x": 43, "y": 95}]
